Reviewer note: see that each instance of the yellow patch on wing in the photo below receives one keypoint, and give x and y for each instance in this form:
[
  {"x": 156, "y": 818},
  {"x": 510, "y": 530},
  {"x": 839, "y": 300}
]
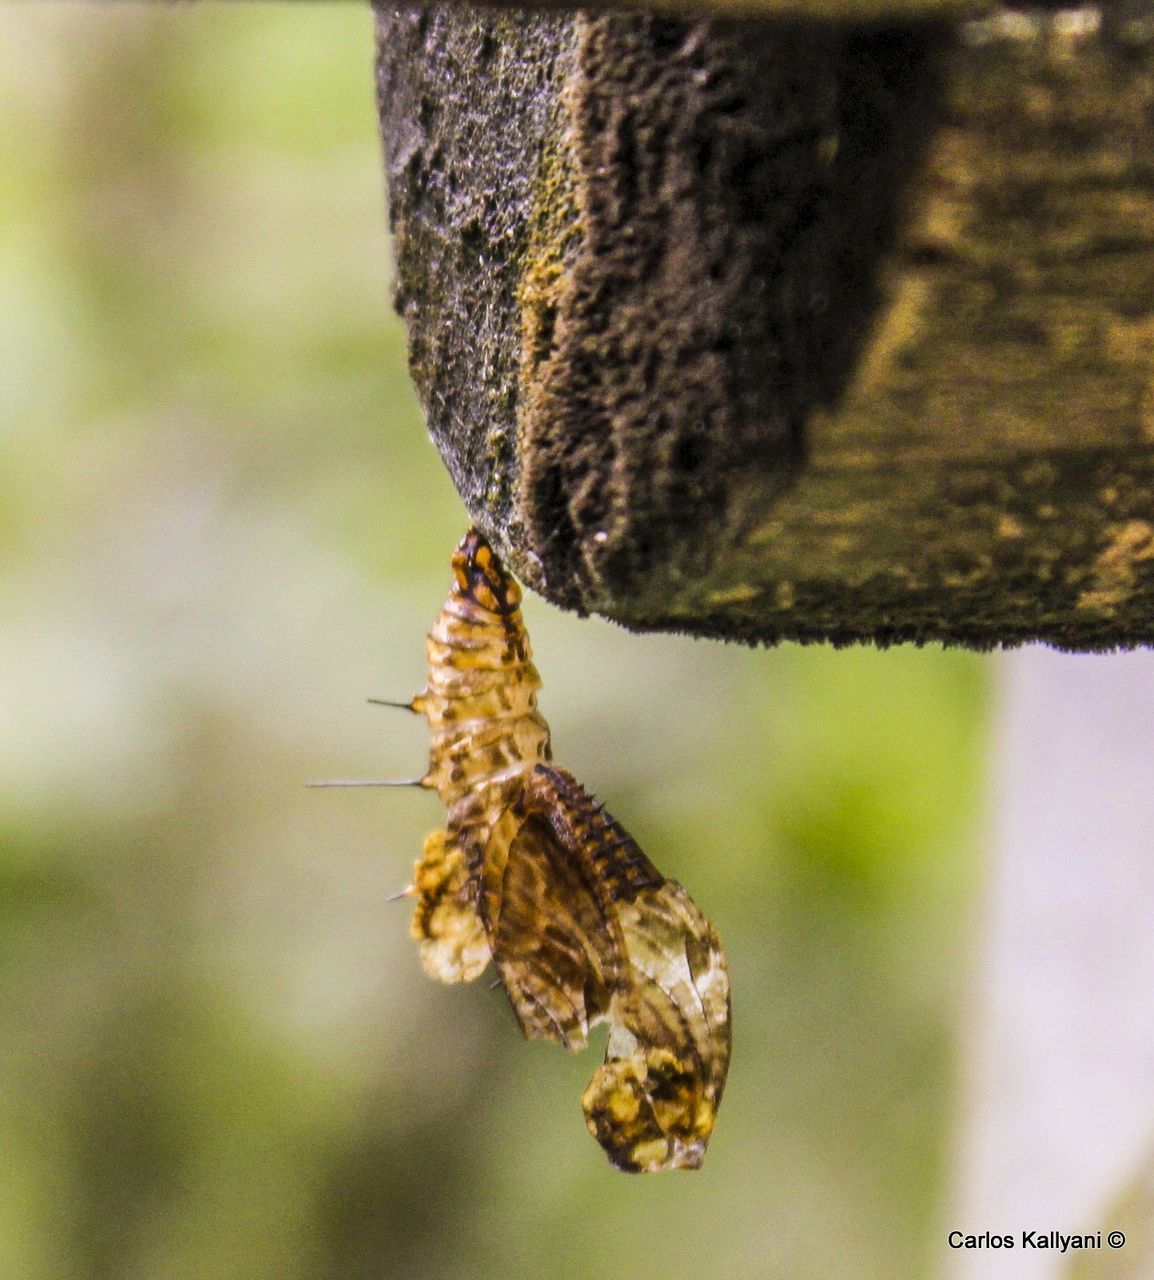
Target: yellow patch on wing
[{"x": 454, "y": 947}]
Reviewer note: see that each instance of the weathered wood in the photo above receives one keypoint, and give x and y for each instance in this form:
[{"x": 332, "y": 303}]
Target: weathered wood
[
  {"x": 769, "y": 330},
  {"x": 822, "y": 10}
]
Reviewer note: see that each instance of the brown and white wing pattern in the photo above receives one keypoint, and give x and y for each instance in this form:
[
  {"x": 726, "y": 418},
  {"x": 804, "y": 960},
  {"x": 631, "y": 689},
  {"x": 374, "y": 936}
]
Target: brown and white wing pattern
[
  {"x": 583, "y": 928},
  {"x": 653, "y": 1102},
  {"x": 548, "y": 908}
]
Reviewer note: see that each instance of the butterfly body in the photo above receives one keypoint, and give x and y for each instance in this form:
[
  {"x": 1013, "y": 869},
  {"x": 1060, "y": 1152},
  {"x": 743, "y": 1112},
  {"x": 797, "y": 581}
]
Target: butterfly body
[
  {"x": 533, "y": 873},
  {"x": 480, "y": 698}
]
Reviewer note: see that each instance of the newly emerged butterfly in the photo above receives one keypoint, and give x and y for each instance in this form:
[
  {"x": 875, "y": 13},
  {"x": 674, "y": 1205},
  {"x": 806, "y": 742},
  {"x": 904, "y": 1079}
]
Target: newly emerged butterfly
[{"x": 530, "y": 871}]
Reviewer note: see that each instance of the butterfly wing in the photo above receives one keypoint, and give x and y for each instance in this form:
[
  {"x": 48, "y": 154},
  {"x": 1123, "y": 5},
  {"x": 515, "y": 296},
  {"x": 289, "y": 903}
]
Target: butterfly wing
[
  {"x": 653, "y": 1103},
  {"x": 555, "y": 943},
  {"x": 583, "y": 927},
  {"x": 454, "y": 947}
]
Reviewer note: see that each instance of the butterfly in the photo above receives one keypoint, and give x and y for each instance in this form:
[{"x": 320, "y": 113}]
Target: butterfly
[{"x": 532, "y": 873}]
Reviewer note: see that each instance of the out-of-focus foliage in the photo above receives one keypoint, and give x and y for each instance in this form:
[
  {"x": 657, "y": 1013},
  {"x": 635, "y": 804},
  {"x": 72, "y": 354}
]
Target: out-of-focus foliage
[{"x": 221, "y": 526}]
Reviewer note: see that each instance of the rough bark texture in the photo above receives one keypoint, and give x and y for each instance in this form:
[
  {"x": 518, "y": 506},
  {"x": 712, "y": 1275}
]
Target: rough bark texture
[
  {"x": 775, "y": 330},
  {"x": 821, "y": 10}
]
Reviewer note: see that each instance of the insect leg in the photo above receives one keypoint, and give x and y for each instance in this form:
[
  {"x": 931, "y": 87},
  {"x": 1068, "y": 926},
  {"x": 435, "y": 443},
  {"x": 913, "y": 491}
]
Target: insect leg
[
  {"x": 411, "y": 705},
  {"x": 372, "y": 782}
]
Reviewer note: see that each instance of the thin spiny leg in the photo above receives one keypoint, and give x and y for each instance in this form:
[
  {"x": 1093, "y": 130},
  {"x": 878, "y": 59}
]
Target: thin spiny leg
[
  {"x": 401, "y": 706},
  {"x": 372, "y": 782}
]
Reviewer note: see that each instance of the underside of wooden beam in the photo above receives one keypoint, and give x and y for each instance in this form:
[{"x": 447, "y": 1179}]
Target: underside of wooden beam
[{"x": 790, "y": 329}]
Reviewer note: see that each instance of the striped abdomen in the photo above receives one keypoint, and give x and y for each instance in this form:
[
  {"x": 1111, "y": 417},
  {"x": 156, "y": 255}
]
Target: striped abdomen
[{"x": 481, "y": 695}]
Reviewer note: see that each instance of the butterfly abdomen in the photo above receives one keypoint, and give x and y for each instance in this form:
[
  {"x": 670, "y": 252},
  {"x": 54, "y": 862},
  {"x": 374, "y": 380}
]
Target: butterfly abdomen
[
  {"x": 614, "y": 856},
  {"x": 481, "y": 695}
]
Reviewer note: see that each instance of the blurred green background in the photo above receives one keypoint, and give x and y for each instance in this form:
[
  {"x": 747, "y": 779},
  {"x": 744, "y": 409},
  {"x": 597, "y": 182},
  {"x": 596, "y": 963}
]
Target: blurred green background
[{"x": 222, "y": 527}]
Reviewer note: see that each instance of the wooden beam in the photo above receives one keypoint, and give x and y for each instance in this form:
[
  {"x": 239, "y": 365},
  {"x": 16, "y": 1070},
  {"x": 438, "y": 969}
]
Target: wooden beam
[{"x": 806, "y": 330}]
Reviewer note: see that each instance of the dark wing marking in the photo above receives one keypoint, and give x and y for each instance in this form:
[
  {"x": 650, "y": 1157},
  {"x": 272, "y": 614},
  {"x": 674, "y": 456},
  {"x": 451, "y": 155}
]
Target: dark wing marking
[
  {"x": 454, "y": 947},
  {"x": 555, "y": 942},
  {"x": 653, "y": 1103}
]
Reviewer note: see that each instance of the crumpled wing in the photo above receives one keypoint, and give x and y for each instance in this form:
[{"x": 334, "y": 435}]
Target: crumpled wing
[
  {"x": 454, "y": 947},
  {"x": 583, "y": 927},
  {"x": 653, "y": 1103},
  {"x": 554, "y": 938}
]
